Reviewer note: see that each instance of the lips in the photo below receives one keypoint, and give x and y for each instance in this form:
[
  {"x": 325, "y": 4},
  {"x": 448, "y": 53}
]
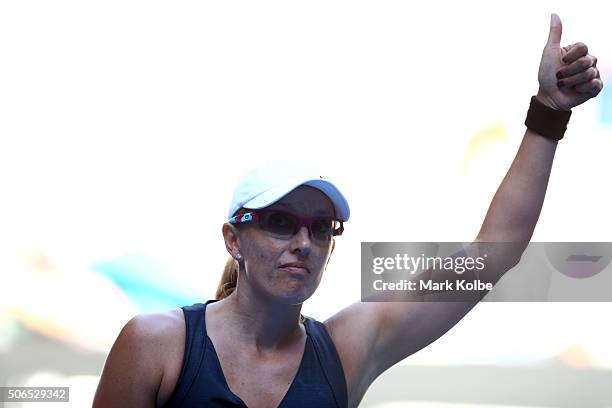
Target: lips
[{"x": 295, "y": 267}]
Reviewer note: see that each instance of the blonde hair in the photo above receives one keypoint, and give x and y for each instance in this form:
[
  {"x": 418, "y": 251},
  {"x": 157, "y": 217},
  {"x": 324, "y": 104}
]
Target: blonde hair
[{"x": 229, "y": 279}]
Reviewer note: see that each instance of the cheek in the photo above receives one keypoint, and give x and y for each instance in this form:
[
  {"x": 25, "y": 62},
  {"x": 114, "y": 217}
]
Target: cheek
[
  {"x": 261, "y": 253},
  {"x": 325, "y": 253},
  {"x": 263, "y": 258}
]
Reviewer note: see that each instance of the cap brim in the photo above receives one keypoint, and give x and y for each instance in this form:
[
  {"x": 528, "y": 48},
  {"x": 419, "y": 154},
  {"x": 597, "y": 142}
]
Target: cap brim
[{"x": 271, "y": 196}]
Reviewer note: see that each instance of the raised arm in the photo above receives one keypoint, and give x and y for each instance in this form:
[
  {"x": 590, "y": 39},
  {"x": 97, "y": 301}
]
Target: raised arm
[
  {"x": 371, "y": 337},
  {"x": 568, "y": 77}
]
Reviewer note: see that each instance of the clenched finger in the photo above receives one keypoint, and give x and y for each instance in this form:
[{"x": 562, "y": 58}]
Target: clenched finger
[
  {"x": 574, "y": 52},
  {"x": 593, "y": 87},
  {"x": 581, "y": 64},
  {"x": 579, "y": 78}
]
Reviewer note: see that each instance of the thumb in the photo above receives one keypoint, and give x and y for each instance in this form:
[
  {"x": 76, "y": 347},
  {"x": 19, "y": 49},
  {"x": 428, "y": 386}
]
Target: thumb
[{"x": 554, "y": 35}]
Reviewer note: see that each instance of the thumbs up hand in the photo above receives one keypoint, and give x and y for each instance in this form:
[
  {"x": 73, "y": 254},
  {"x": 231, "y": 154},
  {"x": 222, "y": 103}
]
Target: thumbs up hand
[{"x": 568, "y": 76}]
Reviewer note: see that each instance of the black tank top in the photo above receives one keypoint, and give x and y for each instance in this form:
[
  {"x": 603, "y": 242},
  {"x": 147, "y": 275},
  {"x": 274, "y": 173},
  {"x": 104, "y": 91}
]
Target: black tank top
[{"x": 319, "y": 381}]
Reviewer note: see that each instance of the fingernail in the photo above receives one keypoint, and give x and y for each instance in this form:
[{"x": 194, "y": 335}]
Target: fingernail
[
  {"x": 559, "y": 75},
  {"x": 560, "y": 84}
]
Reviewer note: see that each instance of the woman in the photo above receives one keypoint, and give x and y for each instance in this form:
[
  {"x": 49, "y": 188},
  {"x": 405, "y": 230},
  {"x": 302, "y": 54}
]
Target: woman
[{"x": 252, "y": 346}]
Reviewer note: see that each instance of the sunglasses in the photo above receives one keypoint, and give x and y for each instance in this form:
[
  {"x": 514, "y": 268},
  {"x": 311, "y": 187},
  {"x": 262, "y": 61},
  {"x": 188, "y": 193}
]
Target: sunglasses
[{"x": 285, "y": 225}]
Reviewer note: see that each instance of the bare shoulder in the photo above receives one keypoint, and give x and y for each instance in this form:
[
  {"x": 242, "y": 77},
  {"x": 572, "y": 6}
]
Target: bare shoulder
[
  {"x": 156, "y": 326},
  {"x": 354, "y": 333},
  {"x": 145, "y": 361}
]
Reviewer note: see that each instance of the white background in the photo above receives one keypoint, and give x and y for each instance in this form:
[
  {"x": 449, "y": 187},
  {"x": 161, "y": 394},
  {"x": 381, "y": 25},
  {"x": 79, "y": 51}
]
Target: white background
[{"x": 124, "y": 126}]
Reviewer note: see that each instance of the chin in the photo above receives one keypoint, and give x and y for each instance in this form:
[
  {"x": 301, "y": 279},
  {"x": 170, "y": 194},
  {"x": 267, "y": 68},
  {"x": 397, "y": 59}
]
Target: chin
[{"x": 293, "y": 297}]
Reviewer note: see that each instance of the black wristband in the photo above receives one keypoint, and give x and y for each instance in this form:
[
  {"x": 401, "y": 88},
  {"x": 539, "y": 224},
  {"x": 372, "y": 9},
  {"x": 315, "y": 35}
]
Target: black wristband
[{"x": 548, "y": 122}]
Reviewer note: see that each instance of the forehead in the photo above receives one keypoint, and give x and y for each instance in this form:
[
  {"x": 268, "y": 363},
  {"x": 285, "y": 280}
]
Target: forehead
[{"x": 306, "y": 201}]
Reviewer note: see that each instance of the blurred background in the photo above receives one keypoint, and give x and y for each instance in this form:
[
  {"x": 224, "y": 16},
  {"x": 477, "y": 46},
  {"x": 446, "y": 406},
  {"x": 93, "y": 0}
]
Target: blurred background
[{"x": 124, "y": 126}]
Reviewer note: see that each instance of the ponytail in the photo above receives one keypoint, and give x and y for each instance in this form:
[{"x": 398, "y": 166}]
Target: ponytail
[{"x": 229, "y": 279}]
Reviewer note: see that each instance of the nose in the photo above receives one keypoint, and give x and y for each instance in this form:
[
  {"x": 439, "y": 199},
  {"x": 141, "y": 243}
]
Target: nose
[{"x": 301, "y": 243}]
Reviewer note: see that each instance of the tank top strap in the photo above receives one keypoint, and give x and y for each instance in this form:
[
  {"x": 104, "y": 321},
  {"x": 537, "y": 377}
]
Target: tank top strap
[
  {"x": 195, "y": 347},
  {"x": 329, "y": 359}
]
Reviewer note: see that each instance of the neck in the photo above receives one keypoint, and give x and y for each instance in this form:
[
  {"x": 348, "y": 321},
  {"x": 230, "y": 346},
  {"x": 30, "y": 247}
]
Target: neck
[{"x": 265, "y": 323}]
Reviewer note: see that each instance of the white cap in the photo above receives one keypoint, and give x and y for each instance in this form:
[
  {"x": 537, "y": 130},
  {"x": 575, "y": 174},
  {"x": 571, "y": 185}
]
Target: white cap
[{"x": 267, "y": 184}]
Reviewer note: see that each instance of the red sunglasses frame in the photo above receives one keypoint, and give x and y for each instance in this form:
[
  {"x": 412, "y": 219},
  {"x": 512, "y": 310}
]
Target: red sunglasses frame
[{"x": 247, "y": 215}]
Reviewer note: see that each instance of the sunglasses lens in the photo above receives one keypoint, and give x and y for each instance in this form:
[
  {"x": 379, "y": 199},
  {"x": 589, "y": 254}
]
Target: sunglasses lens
[
  {"x": 322, "y": 229},
  {"x": 278, "y": 223},
  {"x": 285, "y": 225}
]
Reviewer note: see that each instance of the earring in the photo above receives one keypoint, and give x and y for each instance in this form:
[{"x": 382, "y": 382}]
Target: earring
[{"x": 238, "y": 257}]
